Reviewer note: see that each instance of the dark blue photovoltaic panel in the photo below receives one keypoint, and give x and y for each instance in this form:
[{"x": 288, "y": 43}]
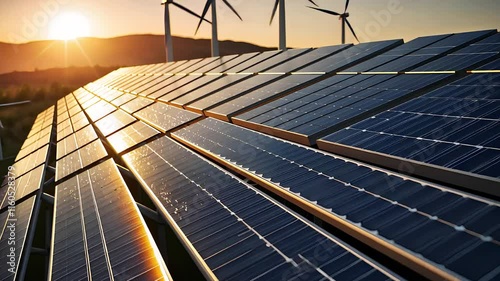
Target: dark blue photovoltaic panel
[
  {"x": 253, "y": 61},
  {"x": 231, "y": 92},
  {"x": 399, "y": 51},
  {"x": 456, "y": 126},
  {"x": 494, "y": 65},
  {"x": 467, "y": 58},
  {"x": 433, "y": 51},
  {"x": 197, "y": 83},
  {"x": 351, "y": 56},
  {"x": 238, "y": 232},
  {"x": 260, "y": 95},
  {"x": 23, "y": 213},
  {"x": 331, "y": 108},
  {"x": 165, "y": 117},
  {"x": 207, "y": 89},
  {"x": 22, "y": 186},
  {"x": 99, "y": 233},
  {"x": 228, "y": 65},
  {"x": 458, "y": 232}
]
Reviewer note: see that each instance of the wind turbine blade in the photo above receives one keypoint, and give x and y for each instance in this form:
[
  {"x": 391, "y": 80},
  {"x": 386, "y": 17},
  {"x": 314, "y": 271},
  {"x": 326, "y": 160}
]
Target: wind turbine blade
[
  {"x": 205, "y": 10},
  {"x": 274, "y": 11},
  {"x": 312, "y": 2},
  {"x": 346, "y": 5},
  {"x": 325, "y": 11},
  {"x": 189, "y": 11},
  {"x": 232, "y": 9},
  {"x": 352, "y": 30}
]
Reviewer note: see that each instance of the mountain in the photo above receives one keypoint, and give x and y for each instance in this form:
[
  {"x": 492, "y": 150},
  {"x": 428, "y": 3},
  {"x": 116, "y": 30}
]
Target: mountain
[{"x": 119, "y": 51}]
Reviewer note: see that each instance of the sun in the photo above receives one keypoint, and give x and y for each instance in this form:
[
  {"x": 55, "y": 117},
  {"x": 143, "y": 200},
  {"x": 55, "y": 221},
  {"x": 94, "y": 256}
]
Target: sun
[{"x": 69, "y": 26}]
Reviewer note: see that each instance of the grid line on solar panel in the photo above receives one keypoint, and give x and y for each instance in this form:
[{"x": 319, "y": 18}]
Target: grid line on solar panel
[
  {"x": 418, "y": 218},
  {"x": 136, "y": 104},
  {"x": 313, "y": 114},
  {"x": 165, "y": 117},
  {"x": 32, "y": 161},
  {"x": 23, "y": 215},
  {"x": 246, "y": 236},
  {"x": 93, "y": 239},
  {"x": 455, "y": 126}
]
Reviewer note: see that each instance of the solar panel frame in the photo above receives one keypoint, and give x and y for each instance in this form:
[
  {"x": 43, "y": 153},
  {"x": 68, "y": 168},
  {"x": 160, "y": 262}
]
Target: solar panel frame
[{"x": 165, "y": 117}]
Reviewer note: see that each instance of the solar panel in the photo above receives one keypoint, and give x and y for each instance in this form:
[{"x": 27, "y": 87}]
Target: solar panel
[
  {"x": 259, "y": 96},
  {"x": 242, "y": 67},
  {"x": 198, "y": 82},
  {"x": 397, "y": 52},
  {"x": 433, "y": 51},
  {"x": 274, "y": 60},
  {"x": 114, "y": 122},
  {"x": 467, "y": 58},
  {"x": 136, "y": 104},
  {"x": 99, "y": 110},
  {"x": 165, "y": 117},
  {"x": 31, "y": 161},
  {"x": 207, "y": 89},
  {"x": 80, "y": 159},
  {"x": 216, "y": 62},
  {"x": 231, "y": 92},
  {"x": 131, "y": 136},
  {"x": 314, "y": 115},
  {"x": 234, "y": 230},
  {"x": 176, "y": 82},
  {"x": 23, "y": 187},
  {"x": 438, "y": 227},
  {"x": 96, "y": 240},
  {"x": 351, "y": 56},
  {"x": 492, "y": 66},
  {"x": 226, "y": 66},
  {"x": 123, "y": 99},
  {"x": 306, "y": 59},
  {"x": 15, "y": 250},
  {"x": 455, "y": 127}
]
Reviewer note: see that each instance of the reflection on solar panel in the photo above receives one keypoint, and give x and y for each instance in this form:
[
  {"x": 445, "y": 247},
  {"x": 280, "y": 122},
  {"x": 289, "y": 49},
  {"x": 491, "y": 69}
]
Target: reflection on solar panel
[
  {"x": 235, "y": 231},
  {"x": 96, "y": 240},
  {"x": 398, "y": 214},
  {"x": 80, "y": 159},
  {"x": 131, "y": 136},
  {"x": 165, "y": 117},
  {"x": 15, "y": 229},
  {"x": 428, "y": 110},
  {"x": 454, "y": 127}
]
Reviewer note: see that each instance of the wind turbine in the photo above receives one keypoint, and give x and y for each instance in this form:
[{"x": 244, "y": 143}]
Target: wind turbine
[
  {"x": 281, "y": 4},
  {"x": 215, "y": 39},
  {"x": 169, "y": 50},
  {"x": 342, "y": 17}
]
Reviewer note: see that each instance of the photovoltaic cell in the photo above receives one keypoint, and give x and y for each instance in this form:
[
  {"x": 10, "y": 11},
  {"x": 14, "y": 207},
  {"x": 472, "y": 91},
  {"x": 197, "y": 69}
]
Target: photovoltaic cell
[
  {"x": 93, "y": 239},
  {"x": 455, "y": 126},
  {"x": 31, "y": 161},
  {"x": 416, "y": 217},
  {"x": 195, "y": 84},
  {"x": 165, "y": 117},
  {"x": 99, "y": 110},
  {"x": 237, "y": 231},
  {"x": 227, "y": 66},
  {"x": 242, "y": 67},
  {"x": 123, "y": 99},
  {"x": 131, "y": 136}
]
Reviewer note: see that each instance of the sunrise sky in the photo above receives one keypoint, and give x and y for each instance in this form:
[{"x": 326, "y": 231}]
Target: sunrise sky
[{"x": 373, "y": 20}]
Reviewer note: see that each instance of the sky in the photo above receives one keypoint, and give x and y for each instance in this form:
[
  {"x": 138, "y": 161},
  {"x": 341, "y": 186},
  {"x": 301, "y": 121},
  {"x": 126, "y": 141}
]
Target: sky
[{"x": 373, "y": 20}]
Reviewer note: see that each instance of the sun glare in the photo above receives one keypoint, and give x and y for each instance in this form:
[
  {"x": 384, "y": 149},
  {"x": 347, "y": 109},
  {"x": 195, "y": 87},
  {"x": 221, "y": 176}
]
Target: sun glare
[{"x": 68, "y": 26}]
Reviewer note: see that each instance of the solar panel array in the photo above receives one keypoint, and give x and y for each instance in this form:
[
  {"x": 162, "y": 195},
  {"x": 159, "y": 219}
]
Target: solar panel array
[{"x": 392, "y": 146}]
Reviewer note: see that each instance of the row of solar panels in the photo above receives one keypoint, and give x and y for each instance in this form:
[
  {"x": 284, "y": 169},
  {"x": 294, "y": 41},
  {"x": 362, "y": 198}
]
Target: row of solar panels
[{"x": 231, "y": 229}]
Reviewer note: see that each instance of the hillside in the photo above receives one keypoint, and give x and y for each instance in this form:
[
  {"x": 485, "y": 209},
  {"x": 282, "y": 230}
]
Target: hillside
[{"x": 118, "y": 51}]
